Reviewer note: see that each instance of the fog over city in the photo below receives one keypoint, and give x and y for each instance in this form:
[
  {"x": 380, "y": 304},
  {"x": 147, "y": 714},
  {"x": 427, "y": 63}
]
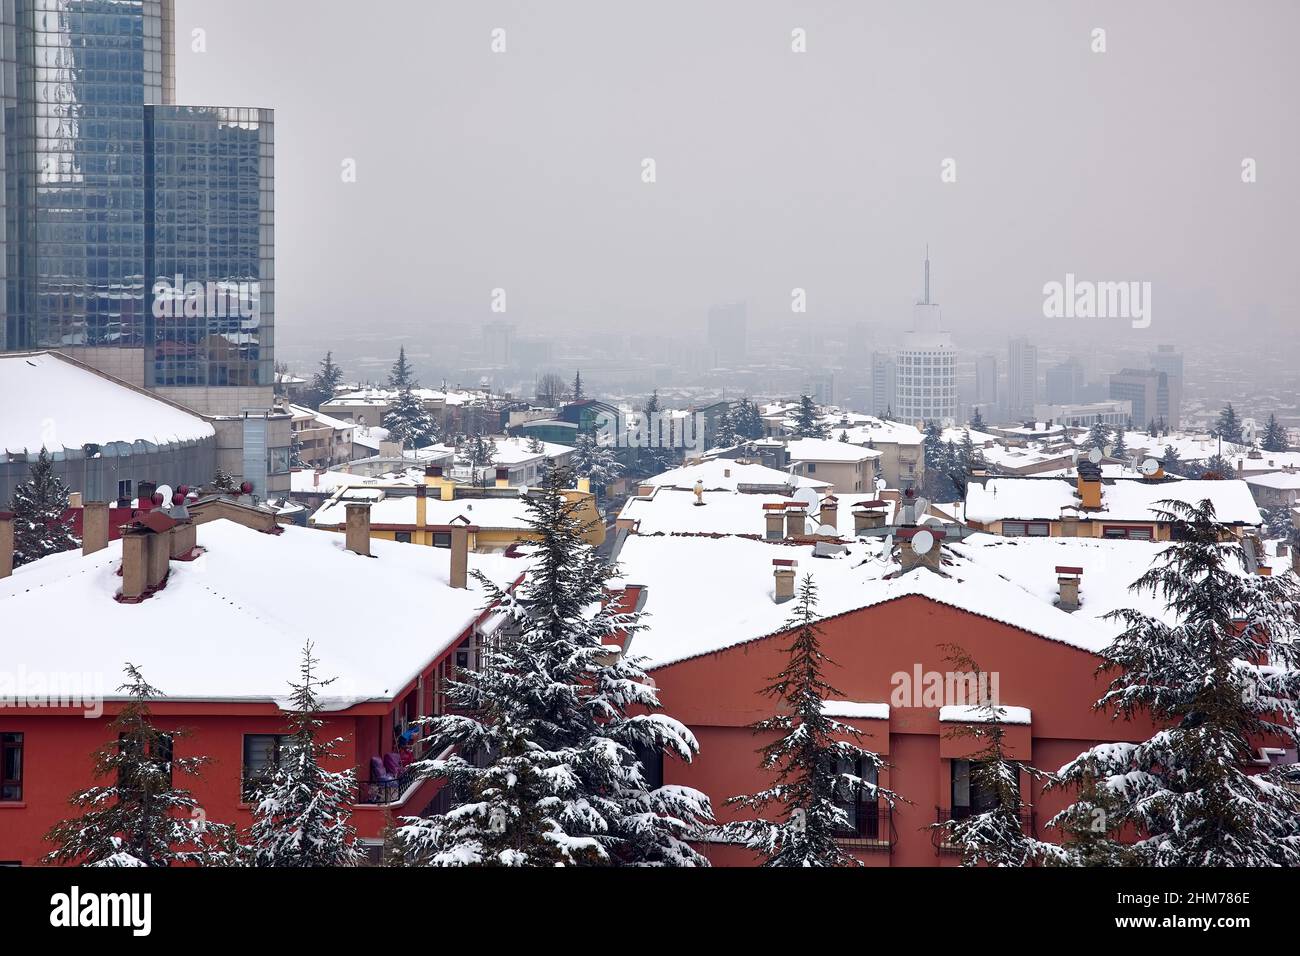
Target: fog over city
[{"x": 774, "y": 170}]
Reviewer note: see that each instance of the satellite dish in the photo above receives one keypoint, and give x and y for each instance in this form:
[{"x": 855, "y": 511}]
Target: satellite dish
[
  {"x": 829, "y": 530},
  {"x": 922, "y": 542},
  {"x": 1108, "y": 450},
  {"x": 808, "y": 497},
  {"x": 1094, "y": 456},
  {"x": 1074, "y": 457},
  {"x": 166, "y": 492},
  {"x": 1150, "y": 466},
  {"x": 932, "y": 520}
]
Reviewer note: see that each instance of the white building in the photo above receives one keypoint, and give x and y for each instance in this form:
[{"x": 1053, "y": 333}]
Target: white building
[{"x": 927, "y": 366}]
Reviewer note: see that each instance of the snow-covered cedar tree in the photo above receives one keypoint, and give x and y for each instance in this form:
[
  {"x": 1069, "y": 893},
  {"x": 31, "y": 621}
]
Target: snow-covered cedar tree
[
  {"x": 653, "y": 456},
  {"x": 555, "y": 732},
  {"x": 807, "y": 419},
  {"x": 577, "y": 393},
  {"x": 139, "y": 816},
  {"x": 223, "y": 482},
  {"x": 994, "y": 832},
  {"x": 301, "y": 812},
  {"x": 724, "y": 431},
  {"x": 1274, "y": 437},
  {"x": 408, "y": 422},
  {"x": 1219, "y": 674},
  {"x": 325, "y": 381},
  {"x": 1228, "y": 426},
  {"x": 400, "y": 375},
  {"x": 1217, "y": 466},
  {"x": 38, "y": 506},
  {"x": 818, "y": 767}
]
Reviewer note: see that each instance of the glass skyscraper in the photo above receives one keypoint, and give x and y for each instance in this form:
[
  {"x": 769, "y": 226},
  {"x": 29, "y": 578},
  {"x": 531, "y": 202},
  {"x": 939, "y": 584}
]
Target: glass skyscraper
[{"x": 138, "y": 235}]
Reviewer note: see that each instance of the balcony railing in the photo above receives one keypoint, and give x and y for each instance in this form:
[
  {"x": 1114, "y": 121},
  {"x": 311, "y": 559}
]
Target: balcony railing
[
  {"x": 945, "y": 814},
  {"x": 871, "y": 826}
]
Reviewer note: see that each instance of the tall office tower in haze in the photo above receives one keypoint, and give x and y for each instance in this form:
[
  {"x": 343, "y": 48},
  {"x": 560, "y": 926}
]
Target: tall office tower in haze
[
  {"x": 1064, "y": 382},
  {"x": 927, "y": 365},
  {"x": 1147, "y": 390},
  {"x": 728, "y": 335},
  {"x": 986, "y": 381},
  {"x": 1022, "y": 377},
  {"x": 1169, "y": 360},
  {"x": 884, "y": 383},
  {"x": 138, "y": 235}
]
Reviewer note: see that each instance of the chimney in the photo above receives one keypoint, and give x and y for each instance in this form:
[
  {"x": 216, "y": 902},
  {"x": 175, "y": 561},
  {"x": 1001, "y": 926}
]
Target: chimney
[
  {"x": 1068, "y": 579},
  {"x": 94, "y": 526},
  {"x": 459, "y": 554},
  {"x": 357, "y": 527},
  {"x": 421, "y": 506},
  {"x": 503, "y": 477},
  {"x": 6, "y": 544},
  {"x": 726, "y": 473},
  {"x": 796, "y": 521},
  {"x": 645, "y": 491},
  {"x": 867, "y": 516},
  {"x": 584, "y": 485},
  {"x": 783, "y": 575},
  {"x": 830, "y": 513},
  {"x": 75, "y": 499},
  {"x": 908, "y": 557},
  {"x": 1069, "y": 522},
  {"x": 184, "y": 537},
  {"x": 315, "y": 477},
  {"x": 146, "y": 555},
  {"x": 1089, "y": 485},
  {"x": 774, "y": 515}
]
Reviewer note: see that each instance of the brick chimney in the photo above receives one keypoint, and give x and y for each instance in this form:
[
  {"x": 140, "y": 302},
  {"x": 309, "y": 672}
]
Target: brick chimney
[
  {"x": 460, "y": 552},
  {"x": 6, "y": 543},
  {"x": 830, "y": 513},
  {"x": 774, "y": 515},
  {"x": 421, "y": 506},
  {"x": 184, "y": 537},
  {"x": 796, "y": 521},
  {"x": 94, "y": 526},
  {"x": 357, "y": 527},
  {"x": 1068, "y": 578},
  {"x": 909, "y": 559},
  {"x": 1089, "y": 485},
  {"x": 783, "y": 575},
  {"x": 146, "y": 555},
  {"x": 1069, "y": 522},
  {"x": 868, "y": 515}
]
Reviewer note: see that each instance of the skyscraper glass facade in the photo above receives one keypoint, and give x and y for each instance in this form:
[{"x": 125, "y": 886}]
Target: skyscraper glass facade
[{"x": 113, "y": 196}]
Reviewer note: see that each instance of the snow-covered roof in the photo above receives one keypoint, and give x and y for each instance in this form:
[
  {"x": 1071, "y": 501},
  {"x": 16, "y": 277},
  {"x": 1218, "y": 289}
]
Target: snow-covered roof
[
  {"x": 1281, "y": 480},
  {"x": 496, "y": 513},
  {"x": 226, "y": 626},
  {"x": 708, "y": 594},
  {"x": 998, "y": 499},
  {"x": 855, "y": 708},
  {"x": 323, "y": 420},
  {"x": 965, "y": 714},
  {"x": 726, "y": 474},
  {"x": 54, "y": 403},
  {"x": 673, "y": 510},
  {"x": 514, "y": 450},
  {"x": 864, "y": 428},
  {"x": 828, "y": 449}
]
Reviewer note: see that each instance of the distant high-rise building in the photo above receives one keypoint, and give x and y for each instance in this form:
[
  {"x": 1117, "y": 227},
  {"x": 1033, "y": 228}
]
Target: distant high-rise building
[
  {"x": 728, "y": 334},
  {"x": 1022, "y": 377},
  {"x": 884, "y": 383},
  {"x": 1169, "y": 360},
  {"x": 986, "y": 380},
  {"x": 1064, "y": 382},
  {"x": 1147, "y": 390},
  {"x": 138, "y": 235},
  {"x": 927, "y": 365},
  {"x": 498, "y": 341}
]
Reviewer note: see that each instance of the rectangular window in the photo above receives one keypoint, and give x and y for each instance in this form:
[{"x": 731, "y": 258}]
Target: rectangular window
[
  {"x": 1020, "y": 529},
  {"x": 442, "y": 539},
  {"x": 968, "y": 795},
  {"x": 859, "y": 802},
  {"x": 124, "y": 490},
  {"x": 262, "y": 755},
  {"x": 403, "y": 536},
  {"x": 11, "y": 768},
  {"x": 1122, "y": 533}
]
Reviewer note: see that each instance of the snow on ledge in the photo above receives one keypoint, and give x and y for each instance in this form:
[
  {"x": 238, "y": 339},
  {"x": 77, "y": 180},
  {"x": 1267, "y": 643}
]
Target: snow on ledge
[
  {"x": 854, "y": 708},
  {"x": 974, "y": 715}
]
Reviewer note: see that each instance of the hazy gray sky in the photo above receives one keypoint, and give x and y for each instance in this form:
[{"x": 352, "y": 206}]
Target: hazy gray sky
[{"x": 819, "y": 170}]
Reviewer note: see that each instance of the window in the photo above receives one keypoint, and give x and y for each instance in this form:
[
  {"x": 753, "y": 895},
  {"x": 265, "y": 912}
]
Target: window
[
  {"x": 160, "y": 752},
  {"x": 968, "y": 796},
  {"x": 11, "y": 767},
  {"x": 124, "y": 490},
  {"x": 1020, "y": 529},
  {"x": 1121, "y": 533},
  {"x": 403, "y": 536},
  {"x": 442, "y": 539},
  {"x": 262, "y": 755},
  {"x": 652, "y": 766},
  {"x": 812, "y": 468},
  {"x": 859, "y": 802}
]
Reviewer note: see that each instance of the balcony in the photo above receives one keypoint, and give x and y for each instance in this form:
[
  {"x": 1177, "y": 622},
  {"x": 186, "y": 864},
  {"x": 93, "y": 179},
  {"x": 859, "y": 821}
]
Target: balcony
[
  {"x": 946, "y": 814},
  {"x": 871, "y": 827}
]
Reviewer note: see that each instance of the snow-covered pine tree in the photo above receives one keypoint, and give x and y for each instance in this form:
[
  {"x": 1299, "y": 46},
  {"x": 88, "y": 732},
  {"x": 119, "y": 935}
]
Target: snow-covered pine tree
[
  {"x": 977, "y": 421},
  {"x": 1171, "y": 461},
  {"x": 560, "y": 774},
  {"x": 995, "y": 834},
  {"x": 38, "y": 507},
  {"x": 295, "y": 450},
  {"x": 140, "y": 817},
  {"x": 323, "y": 384},
  {"x": 652, "y": 456},
  {"x": 1277, "y": 522},
  {"x": 1152, "y": 431},
  {"x": 1274, "y": 438},
  {"x": 817, "y": 762},
  {"x": 596, "y": 462},
  {"x": 1228, "y": 427},
  {"x": 409, "y": 423},
  {"x": 1098, "y": 436},
  {"x": 223, "y": 482},
  {"x": 844, "y": 436},
  {"x": 577, "y": 393},
  {"x": 1087, "y": 840},
  {"x": 301, "y": 814},
  {"x": 724, "y": 432},
  {"x": 749, "y": 421},
  {"x": 1221, "y": 682},
  {"x": 400, "y": 376},
  {"x": 1119, "y": 449},
  {"x": 1217, "y": 466},
  {"x": 807, "y": 419},
  {"x": 535, "y": 445}
]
